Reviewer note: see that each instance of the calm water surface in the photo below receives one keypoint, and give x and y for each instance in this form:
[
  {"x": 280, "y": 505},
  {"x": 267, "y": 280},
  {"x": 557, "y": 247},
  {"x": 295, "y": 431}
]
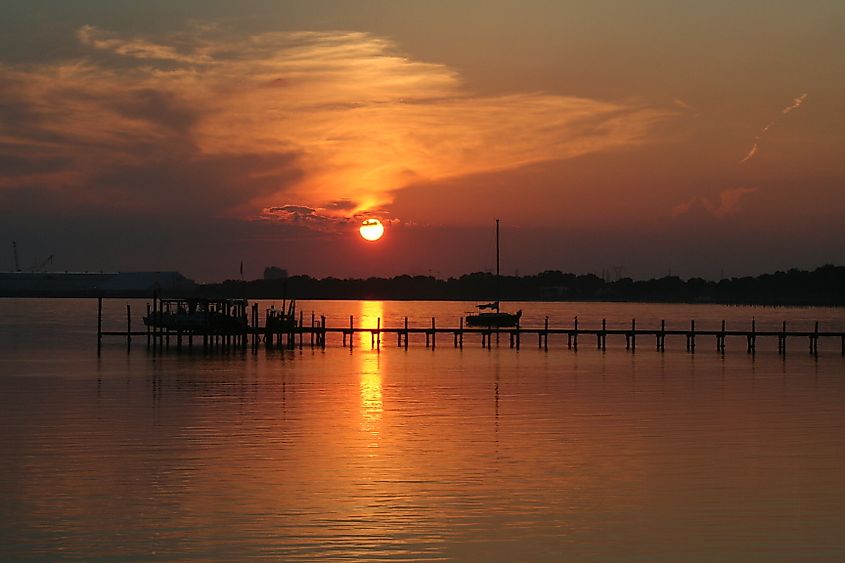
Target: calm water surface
[{"x": 464, "y": 455}]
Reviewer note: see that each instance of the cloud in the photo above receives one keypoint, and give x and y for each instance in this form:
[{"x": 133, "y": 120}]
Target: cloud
[
  {"x": 755, "y": 148},
  {"x": 341, "y": 205},
  {"x": 137, "y": 48},
  {"x": 729, "y": 203},
  {"x": 322, "y": 219},
  {"x": 796, "y": 103},
  {"x": 236, "y": 124},
  {"x": 308, "y": 217},
  {"x": 751, "y": 153}
]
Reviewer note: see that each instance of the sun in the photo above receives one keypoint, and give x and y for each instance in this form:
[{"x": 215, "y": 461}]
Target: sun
[{"x": 371, "y": 229}]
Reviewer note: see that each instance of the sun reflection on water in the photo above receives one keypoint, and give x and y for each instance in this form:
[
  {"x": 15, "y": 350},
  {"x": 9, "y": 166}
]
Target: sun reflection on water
[{"x": 370, "y": 373}]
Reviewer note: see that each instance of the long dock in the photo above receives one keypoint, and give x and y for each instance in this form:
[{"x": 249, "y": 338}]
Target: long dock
[{"x": 316, "y": 333}]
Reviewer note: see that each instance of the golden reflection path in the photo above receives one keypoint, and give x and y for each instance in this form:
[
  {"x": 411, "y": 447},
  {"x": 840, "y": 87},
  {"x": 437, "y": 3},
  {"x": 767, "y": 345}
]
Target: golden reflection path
[{"x": 370, "y": 372}]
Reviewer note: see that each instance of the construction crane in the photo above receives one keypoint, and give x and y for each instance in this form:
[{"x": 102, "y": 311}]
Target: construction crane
[
  {"x": 15, "y": 252},
  {"x": 40, "y": 267}
]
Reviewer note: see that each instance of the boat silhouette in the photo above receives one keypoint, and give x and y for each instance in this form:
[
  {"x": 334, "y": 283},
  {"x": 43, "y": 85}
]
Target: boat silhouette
[{"x": 496, "y": 318}]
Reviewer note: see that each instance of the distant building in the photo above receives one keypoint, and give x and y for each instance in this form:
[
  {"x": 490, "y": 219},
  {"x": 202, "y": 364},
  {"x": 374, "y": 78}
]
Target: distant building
[
  {"x": 80, "y": 284},
  {"x": 275, "y": 273}
]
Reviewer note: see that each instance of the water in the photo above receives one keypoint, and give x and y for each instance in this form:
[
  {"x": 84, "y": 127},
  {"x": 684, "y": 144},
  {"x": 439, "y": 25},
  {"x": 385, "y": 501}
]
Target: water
[{"x": 463, "y": 455}]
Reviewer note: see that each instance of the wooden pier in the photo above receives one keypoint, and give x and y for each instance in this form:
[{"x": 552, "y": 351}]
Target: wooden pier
[{"x": 314, "y": 332}]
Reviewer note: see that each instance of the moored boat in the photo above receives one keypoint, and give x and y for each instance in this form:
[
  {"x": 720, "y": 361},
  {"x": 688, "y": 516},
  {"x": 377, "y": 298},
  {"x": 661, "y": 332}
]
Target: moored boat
[
  {"x": 496, "y": 319},
  {"x": 493, "y": 320}
]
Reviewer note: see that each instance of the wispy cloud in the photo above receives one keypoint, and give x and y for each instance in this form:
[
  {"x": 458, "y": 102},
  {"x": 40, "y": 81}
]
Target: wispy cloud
[
  {"x": 796, "y": 103},
  {"x": 334, "y": 121},
  {"x": 728, "y": 203},
  {"x": 755, "y": 148},
  {"x": 136, "y": 47},
  {"x": 751, "y": 153}
]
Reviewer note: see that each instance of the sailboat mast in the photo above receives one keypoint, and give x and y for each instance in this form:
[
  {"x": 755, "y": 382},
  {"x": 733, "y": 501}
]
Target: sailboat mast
[
  {"x": 497, "y": 249},
  {"x": 497, "y": 265}
]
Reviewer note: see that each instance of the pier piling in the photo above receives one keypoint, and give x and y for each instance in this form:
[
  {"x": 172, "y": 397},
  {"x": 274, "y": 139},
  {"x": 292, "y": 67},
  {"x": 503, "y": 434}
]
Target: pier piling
[
  {"x": 546, "y": 333},
  {"x": 661, "y": 337},
  {"x": 459, "y": 334},
  {"x": 751, "y": 337},
  {"x": 433, "y": 334},
  {"x": 99, "y": 324},
  {"x": 602, "y": 335},
  {"x": 691, "y": 338}
]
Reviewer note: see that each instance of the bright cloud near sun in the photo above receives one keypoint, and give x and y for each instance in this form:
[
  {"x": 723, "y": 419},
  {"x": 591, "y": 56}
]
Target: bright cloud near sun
[{"x": 334, "y": 122}]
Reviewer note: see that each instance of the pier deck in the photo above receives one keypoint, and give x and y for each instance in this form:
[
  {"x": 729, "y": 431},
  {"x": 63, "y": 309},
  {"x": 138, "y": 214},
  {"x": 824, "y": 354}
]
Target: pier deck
[{"x": 317, "y": 333}]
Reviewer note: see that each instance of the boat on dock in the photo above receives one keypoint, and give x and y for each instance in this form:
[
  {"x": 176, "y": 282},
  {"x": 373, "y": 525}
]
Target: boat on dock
[
  {"x": 225, "y": 316},
  {"x": 281, "y": 320},
  {"x": 494, "y": 318}
]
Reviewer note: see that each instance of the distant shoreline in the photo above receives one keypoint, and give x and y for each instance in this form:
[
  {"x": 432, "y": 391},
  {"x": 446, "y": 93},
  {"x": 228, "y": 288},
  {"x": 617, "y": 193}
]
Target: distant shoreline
[
  {"x": 822, "y": 287},
  {"x": 423, "y": 299}
]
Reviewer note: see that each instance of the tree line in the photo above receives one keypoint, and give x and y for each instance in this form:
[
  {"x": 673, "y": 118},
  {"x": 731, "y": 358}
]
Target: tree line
[{"x": 823, "y": 286}]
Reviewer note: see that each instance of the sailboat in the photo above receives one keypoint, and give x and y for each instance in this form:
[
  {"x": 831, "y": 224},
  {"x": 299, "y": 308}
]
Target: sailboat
[{"x": 496, "y": 318}]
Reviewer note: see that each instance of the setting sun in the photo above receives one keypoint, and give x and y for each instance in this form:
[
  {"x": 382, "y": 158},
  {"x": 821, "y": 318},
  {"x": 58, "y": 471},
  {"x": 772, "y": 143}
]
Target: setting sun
[{"x": 371, "y": 229}]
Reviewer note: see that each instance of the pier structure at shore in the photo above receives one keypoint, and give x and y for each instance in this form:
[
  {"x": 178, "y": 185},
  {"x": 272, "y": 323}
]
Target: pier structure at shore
[{"x": 237, "y": 325}]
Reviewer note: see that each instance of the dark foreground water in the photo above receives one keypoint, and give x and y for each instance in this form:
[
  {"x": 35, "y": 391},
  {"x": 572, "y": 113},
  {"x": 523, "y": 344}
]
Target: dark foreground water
[{"x": 467, "y": 455}]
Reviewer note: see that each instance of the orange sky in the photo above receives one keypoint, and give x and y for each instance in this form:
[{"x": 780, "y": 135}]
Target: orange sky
[{"x": 662, "y": 137}]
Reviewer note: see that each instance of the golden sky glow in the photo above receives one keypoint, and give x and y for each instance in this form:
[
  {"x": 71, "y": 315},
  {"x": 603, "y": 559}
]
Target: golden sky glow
[
  {"x": 273, "y": 127},
  {"x": 364, "y": 120}
]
